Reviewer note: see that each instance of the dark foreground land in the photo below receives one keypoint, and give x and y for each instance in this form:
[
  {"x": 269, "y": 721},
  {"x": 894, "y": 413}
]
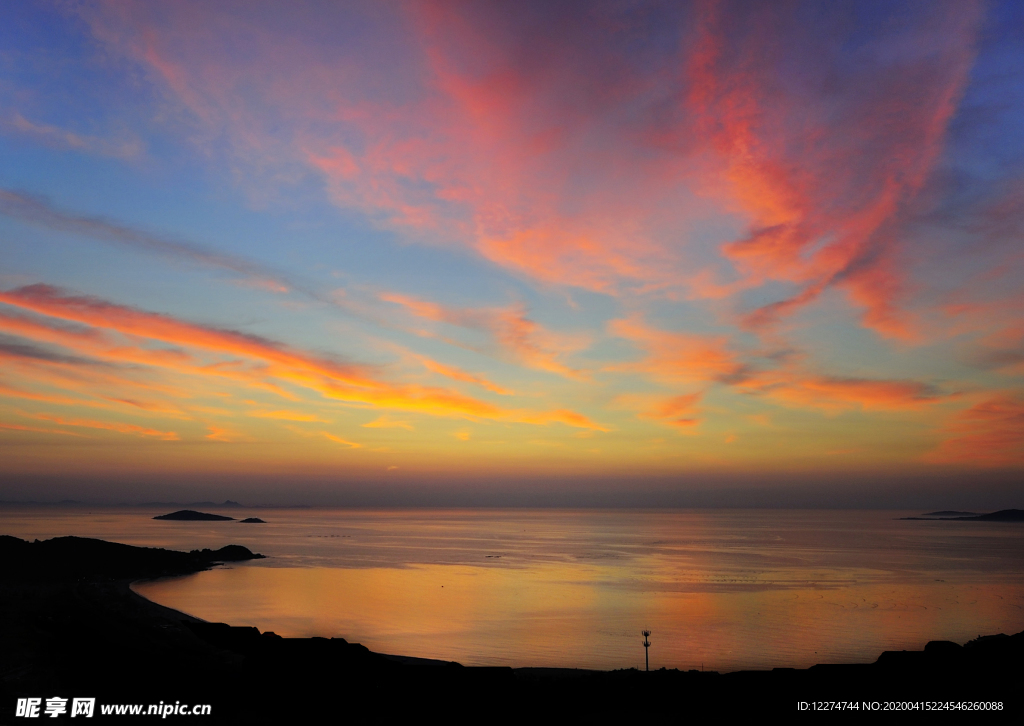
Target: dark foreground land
[{"x": 71, "y": 627}]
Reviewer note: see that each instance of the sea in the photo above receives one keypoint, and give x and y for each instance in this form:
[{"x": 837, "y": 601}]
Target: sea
[{"x": 724, "y": 590}]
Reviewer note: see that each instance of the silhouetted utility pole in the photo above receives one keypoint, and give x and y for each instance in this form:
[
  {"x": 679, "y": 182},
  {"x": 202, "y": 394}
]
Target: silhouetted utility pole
[{"x": 647, "y": 644}]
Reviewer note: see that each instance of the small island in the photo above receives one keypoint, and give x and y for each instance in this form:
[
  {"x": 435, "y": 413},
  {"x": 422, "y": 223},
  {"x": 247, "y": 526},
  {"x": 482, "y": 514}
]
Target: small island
[
  {"x": 1003, "y": 515},
  {"x": 190, "y": 515},
  {"x": 252, "y": 520}
]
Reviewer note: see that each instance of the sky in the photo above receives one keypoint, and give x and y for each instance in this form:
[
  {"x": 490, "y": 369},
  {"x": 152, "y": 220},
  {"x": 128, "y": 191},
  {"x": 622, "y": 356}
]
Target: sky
[{"x": 512, "y": 253}]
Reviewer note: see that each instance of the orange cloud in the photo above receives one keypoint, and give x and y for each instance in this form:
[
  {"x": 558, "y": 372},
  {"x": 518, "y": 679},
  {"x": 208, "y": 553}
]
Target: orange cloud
[
  {"x": 995, "y": 323},
  {"x": 439, "y": 313},
  {"x": 457, "y": 374},
  {"x": 678, "y": 411},
  {"x": 339, "y": 440},
  {"x": 218, "y": 433},
  {"x": 34, "y": 429},
  {"x": 384, "y": 422},
  {"x": 675, "y": 357},
  {"x": 988, "y": 434},
  {"x": 835, "y": 394},
  {"x": 287, "y": 416},
  {"x": 255, "y": 360},
  {"x": 98, "y": 313},
  {"x": 10, "y": 391},
  {"x": 571, "y": 257},
  {"x": 564, "y": 416},
  {"x": 533, "y": 345},
  {"x": 106, "y": 425},
  {"x": 683, "y": 357},
  {"x": 104, "y": 348},
  {"x": 520, "y": 338}
]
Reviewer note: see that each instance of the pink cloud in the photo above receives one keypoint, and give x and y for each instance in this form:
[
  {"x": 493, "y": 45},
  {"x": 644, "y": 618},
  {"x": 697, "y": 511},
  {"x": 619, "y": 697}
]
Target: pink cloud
[
  {"x": 678, "y": 356},
  {"x": 678, "y": 411},
  {"x": 127, "y": 148},
  {"x": 824, "y": 176},
  {"x": 989, "y": 434},
  {"x": 520, "y": 339},
  {"x": 556, "y": 145}
]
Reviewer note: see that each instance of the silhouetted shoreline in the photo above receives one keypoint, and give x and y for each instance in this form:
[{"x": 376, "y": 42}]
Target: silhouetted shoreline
[{"x": 72, "y": 626}]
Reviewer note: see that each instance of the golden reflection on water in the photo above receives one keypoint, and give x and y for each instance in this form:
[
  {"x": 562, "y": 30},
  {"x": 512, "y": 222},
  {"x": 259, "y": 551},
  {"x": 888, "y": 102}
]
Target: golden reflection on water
[{"x": 572, "y": 616}]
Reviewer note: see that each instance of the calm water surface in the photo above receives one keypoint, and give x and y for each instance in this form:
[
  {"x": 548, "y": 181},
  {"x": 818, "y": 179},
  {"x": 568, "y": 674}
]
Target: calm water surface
[{"x": 729, "y": 589}]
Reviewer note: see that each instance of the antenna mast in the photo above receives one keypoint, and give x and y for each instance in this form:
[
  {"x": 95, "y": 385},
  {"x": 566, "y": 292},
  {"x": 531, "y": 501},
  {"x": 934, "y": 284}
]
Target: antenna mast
[{"x": 647, "y": 644}]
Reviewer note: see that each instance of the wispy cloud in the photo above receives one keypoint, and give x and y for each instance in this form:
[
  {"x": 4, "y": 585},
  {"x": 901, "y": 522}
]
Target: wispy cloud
[
  {"x": 825, "y": 188},
  {"x": 219, "y": 433},
  {"x": 678, "y": 411},
  {"x": 338, "y": 440},
  {"x": 517, "y": 337},
  {"x": 457, "y": 374},
  {"x": 254, "y": 360},
  {"x": 36, "y": 429},
  {"x": 386, "y": 422},
  {"x": 37, "y": 210},
  {"x": 674, "y": 357},
  {"x": 282, "y": 415},
  {"x": 989, "y": 433},
  {"x": 128, "y": 148},
  {"x": 678, "y": 356},
  {"x": 117, "y": 426}
]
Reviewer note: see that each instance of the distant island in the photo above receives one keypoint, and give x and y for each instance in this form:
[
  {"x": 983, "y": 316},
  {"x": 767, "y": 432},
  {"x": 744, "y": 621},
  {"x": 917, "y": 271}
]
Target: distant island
[
  {"x": 252, "y": 520},
  {"x": 950, "y": 513},
  {"x": 1003, "y": 515},
  {"x": 190, "y": 515}
]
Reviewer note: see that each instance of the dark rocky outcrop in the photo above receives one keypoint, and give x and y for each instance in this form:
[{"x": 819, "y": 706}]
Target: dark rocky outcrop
[
  {"x": 79, "y": 557},
  {"x": 252, "y": 520},
  {"x": 190, "y": 515}
]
